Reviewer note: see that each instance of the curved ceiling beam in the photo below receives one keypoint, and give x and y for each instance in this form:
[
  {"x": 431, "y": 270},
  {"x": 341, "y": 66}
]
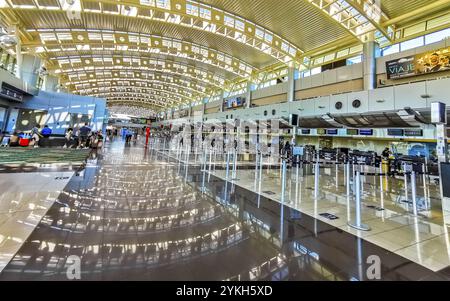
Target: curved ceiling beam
[
  {"x": 155, "y": 84},
  {"x": 142, "y": 111},
  {"x": 46, "y": 41},
  {"x": 162, "y": 102},
  {"x": 148, "y": 91},
  {"x": 183, "y": 13},
  {"x": 115, "y": 65},
  {"x": 359, "y": 17},
  {"x": 134, "y": 101}
]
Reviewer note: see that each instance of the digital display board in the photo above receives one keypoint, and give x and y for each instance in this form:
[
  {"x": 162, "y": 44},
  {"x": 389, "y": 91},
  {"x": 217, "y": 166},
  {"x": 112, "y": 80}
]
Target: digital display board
[
  {"x": 366, "y": 132},
  {"x": 352, "y": 132},
  {"x": 321, "y": 131},
  {"x": 306, "y": 131},
  {"x": 332, "y": 132},
  {"x": 234, "y": 102},
  {"x": 413, "y": 132},
  {"x": 395, "y": 132}
]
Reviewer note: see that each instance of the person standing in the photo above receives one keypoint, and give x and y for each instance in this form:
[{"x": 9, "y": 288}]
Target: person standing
[
  {"x": 68, "y": 138},
  {"x": 36, "y": 135},
  {"x": 84, "y": 133}
]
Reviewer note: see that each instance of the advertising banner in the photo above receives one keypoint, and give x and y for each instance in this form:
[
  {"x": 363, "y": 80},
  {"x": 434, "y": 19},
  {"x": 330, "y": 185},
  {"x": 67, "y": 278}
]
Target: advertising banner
[{"x": 423, "y": 63}]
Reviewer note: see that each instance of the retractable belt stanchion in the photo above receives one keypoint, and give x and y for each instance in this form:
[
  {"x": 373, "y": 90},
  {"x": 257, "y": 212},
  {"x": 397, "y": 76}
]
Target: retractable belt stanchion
[
  {"x": 283, "y": 192},
  {"x": 413, "y": 191},
  {"x": 357, "y": 223},
  {"x": 405, "y": 176},
  {"x": 425, "y": 193},
  {"x": 256, "y": 166},
  {"x": 210, "y": 164},
  {"x": 347, "y": 177},
  {"x": 203, "y": 168},
  {"x": 234, "y": 176},
  {"x": 227, "y": 166},
  {"x": 296, "y": 178},
  {"x": 316, "y": 177}
]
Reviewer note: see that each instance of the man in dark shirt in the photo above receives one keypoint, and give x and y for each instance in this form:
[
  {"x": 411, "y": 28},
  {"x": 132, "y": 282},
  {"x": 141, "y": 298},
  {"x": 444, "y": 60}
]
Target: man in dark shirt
[{"x": 84, "y": 133}]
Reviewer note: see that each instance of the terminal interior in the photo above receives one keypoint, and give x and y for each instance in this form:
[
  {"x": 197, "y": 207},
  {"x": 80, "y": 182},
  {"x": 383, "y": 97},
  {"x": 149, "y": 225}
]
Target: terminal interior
[{"x": 224, "y": 140}]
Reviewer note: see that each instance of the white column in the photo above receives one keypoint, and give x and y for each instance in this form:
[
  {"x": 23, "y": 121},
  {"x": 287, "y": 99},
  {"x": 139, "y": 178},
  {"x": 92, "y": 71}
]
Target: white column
[
  {"x": 291, "y": 84},
  {"x": 50, "y": 83},
  {"x": 18, "y": 54},
  {"x": 30, "y": 69},
  {"x": 371, "y": 51},
  {"x": 248, "y": 95},
  {"x": 291, "y": 94}
]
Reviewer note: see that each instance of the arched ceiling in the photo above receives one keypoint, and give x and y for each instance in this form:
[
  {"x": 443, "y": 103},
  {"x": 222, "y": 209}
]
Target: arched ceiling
[{"x": 163, "y": 53}]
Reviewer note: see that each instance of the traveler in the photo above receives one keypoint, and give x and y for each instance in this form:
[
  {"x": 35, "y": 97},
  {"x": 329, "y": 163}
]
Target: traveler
[
  {"x": 35, "y": 135},
  {"x": 68, "y": 136},
  {"x": 84, "y": 133},
  {"x": 46, "y": 131},
  {"x": 14, "y": 139}
]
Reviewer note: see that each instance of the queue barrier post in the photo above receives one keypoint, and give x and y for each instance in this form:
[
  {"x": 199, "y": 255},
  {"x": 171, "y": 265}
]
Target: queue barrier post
[{"x": 357, "y": 224}]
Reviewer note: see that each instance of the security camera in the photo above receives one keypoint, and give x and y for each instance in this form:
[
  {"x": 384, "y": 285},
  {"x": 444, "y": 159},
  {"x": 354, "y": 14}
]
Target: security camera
[{"x": 70, "y": 2}]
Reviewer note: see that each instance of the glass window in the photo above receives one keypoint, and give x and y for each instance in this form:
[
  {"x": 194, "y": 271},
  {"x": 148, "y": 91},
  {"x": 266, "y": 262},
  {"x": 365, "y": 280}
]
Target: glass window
[
  {"x": 417, "y": 42},
  {"x": 316, "y": 70},
  {"x": 437, "y": 36},
  {"x": 191, "y": 9},
  {"x": 354, "y": 60},
  {"x": 390, "y": 49},
  {"x": 205, "y": 13}
]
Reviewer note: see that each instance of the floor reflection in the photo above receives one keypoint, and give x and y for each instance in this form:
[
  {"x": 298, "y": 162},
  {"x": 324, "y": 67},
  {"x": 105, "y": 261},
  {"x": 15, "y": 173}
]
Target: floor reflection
[{"x": 132, "y": 214}]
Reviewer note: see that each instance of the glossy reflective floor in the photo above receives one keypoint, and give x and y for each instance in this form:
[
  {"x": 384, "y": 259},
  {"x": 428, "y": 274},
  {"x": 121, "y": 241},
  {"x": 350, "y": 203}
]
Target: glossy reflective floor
[{"x": 137, "y": 214}]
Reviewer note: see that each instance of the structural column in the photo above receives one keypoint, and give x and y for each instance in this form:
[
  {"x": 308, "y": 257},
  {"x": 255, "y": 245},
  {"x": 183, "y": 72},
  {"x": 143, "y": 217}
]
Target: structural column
[
  {"x": 248, "y": 95},
  {"x": 29, "y": 69},
  {"x": 18, "y": 54},
  {"x": 50, "y": 83},
  {"x": 371, "y": 51},
  {"x": 291, "y": 94},
  {"x": 291, "y": 83}
]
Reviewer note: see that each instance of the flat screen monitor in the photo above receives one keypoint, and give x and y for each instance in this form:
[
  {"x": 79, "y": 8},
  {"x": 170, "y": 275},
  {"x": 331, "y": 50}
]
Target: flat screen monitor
[
  {"x": 306, "y": 131},
  {"x": 413, "y": 132},
  {"x": 332, "y": 132},
  {"x": 395, "y": 132},
  {"x": 366, "y": 132},
  {"x": 321, "y": 131},
  {"x": 234, "y": 102},
  {"x": 352, "y": 132}
]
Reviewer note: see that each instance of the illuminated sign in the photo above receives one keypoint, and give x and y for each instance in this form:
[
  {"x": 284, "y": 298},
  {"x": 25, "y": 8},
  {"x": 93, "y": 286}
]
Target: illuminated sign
[
  {"x": 413, "y": 132},
  {"x": 366, "y": 132},
  {"x": 395, "y": 132},
  {"x": 332, "y": 132},
  {"x": 423, "y": 63},
  {"x": 352, "y": 132}
]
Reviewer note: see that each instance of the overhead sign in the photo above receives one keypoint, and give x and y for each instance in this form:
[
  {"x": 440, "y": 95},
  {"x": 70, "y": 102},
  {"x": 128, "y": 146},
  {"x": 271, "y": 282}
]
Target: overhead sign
[
  {"x": 9, "y": 92},
  {"x": 423, "y": 63}
]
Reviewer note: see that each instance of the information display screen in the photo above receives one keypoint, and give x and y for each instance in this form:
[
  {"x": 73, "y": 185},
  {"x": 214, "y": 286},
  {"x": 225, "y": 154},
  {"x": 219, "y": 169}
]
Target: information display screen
[
  {"x": 366, "y": 132},
  {"x": 413, "y": 132},
  {"x": 321, "y": 131},
  {"x": 234, "y": 102},
  {"x": 332, "y": 132},
  {"x": 395, "y": 132},
  {"x": 352, "y": 132},
  {"x": 306, "y": 131}
]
